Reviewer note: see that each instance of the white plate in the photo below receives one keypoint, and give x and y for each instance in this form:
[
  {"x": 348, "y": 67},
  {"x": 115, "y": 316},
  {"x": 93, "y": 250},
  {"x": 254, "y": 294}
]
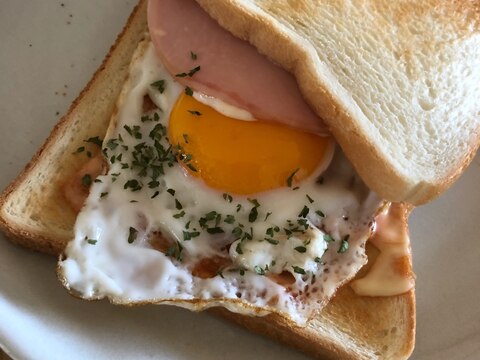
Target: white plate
[{"x": 49, "y": 51}]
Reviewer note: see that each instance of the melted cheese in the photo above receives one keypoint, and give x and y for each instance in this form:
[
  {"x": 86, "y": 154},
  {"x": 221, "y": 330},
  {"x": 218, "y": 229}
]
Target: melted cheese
[
  {"x": 224, "y": 108},
  {"x": 391, "y": 273}
]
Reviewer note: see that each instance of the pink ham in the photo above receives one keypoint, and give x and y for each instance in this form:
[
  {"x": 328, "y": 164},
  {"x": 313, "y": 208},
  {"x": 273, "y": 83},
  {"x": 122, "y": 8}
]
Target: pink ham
[{"x": 230, "y": 69}]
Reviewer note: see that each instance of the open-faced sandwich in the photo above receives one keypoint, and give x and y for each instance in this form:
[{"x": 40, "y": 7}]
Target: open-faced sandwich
[{"x": 260, "y": 158}]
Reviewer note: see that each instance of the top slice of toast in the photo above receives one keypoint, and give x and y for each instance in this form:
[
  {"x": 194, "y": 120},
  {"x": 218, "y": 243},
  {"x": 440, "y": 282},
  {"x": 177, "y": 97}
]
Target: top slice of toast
[{"x": 397, "y": 82}]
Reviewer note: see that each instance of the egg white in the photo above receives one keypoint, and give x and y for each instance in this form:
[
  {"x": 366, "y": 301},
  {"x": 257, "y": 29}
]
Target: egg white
[{"x": 134, "y": 271}]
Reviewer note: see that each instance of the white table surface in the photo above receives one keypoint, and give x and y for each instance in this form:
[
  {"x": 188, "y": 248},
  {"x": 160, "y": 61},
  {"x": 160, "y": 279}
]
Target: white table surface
[{"x": 48, "y": 53}]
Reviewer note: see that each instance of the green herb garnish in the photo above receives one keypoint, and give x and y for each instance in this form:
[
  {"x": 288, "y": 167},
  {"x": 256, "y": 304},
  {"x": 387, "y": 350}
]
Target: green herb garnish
[
  {"x": 254, "y": 202},
  {"x": 301, "y": 249},
  {"x": 95, "y": 140},
  {"x": 132, "y": 234},
  {"x": 112, "y": 144},
  {"x": 272, "y": 241},
  {"x": 195, "y": 112},
  {"x": 343, "y": 245},
  {"x": 252, "y": 216},
  {"x": 229, "y": 219},
  {"x": 191, "y": 167},
  {"x": 259, "y": 270},
  {"x": 133, "y": 131},
  {"x": 159, "y": 85},
  {"x": 175, "y": 251},
  {"x": 133, "y": 185},
  {"x": 189, "y": 235},
  {"x": 79, "y": 150},
  {"x": 328, "y": 238},
  {"x": 237, "y": 232},
  {"x": 238, "y": 248},
  {"x": 190, "y": 73},
  {"x": 179, "y": 215},
  {"x": 86, "y": 180},
  {"x": 188, "y": 91},
  {"x": 304, "y": 212},
  {"x": 298, "y": 270},
  {"x": 178, "y": 205},
  {"x": 215, "y": 230},
  {"x": 290, "y": 178},
  {"x": 90, "y": 241}
]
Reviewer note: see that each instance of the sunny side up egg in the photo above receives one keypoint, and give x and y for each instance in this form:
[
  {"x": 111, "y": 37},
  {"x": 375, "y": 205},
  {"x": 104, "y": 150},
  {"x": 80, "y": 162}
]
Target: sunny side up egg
[
  {"x": 244, "y": 157},
  {"x": 199, "y": 209}
]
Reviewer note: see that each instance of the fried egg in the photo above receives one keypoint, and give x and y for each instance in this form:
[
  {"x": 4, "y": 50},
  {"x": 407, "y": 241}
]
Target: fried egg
[{"x": 204, "y": 206}]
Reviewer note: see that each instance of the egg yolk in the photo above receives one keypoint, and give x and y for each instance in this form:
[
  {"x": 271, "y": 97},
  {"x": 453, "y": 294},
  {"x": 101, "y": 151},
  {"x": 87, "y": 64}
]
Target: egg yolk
[{"x": 242, "y": 157}]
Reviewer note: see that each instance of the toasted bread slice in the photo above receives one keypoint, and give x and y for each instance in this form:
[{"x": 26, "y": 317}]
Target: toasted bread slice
[
  {"x": 35, "y": 214},
  {"x": 349, "y": 327},
  {"x": 397, "y": 82}
]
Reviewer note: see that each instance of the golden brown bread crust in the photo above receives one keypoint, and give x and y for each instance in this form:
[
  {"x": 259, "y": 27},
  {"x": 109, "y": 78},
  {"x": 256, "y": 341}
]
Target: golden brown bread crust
[
  {"x": 384, "y": 178},
  {"x": 53, "y": 242},
  {"x": 309, "y": 341},
  {"x": 379, "y": 334},
  {"x": 100, "y": 93}
]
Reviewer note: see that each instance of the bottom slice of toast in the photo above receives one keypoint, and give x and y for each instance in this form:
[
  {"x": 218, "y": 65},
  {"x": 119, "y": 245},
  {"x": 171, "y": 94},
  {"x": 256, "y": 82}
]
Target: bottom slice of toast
[{"x": 35, "y": 214}]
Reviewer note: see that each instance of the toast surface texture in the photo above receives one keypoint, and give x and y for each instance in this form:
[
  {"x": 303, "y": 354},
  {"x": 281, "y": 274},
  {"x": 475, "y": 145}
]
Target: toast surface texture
[
  {"x": 35, "y": 214},
  {"x": 350, "y": 327},
  {"x": 397, "y": 82}
]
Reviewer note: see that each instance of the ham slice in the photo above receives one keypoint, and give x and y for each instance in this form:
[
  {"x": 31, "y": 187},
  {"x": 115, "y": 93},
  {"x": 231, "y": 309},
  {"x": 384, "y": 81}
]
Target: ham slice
[{"x": 231, "y": 69}]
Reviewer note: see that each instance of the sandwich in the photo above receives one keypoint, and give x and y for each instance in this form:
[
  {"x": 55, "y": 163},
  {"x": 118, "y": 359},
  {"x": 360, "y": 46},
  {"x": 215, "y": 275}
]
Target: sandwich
[{"x": 308, "y": 232}]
